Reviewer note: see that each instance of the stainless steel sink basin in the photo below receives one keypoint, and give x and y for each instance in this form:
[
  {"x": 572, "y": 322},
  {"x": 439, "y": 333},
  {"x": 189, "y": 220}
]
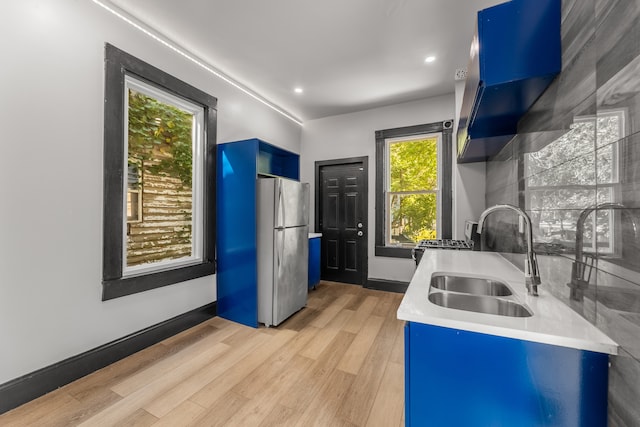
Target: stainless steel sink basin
[
  {"x": 479, "y": 304},
  {"x": 470, "y": 285}
]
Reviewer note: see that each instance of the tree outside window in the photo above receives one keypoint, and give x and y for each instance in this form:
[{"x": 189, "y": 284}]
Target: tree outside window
[
  {"x": 412, "y": 189},
  {"x": 556, "y": 196}
]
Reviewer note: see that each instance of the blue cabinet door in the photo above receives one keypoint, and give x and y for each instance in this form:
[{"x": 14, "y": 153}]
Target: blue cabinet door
[
  {"x": 314, "y": 262},
  {"x": 461, "y": 378}
]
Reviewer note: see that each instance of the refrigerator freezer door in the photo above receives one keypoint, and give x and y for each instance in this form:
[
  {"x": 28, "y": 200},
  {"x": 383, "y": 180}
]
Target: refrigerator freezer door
[
  {"x": 292, "y": 203},
  {"x": 291, "y": 247}
]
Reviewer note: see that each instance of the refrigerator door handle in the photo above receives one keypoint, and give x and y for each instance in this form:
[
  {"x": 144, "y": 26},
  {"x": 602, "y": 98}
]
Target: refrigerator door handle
[
  {"x": 279, "y": 248},
  {"x": 278, "y": 206},
  {"x": 282, "y": 214}
]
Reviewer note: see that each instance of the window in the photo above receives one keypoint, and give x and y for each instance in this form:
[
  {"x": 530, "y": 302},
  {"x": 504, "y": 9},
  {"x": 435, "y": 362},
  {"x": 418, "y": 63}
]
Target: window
[
  {"x": 134, "y": 193},
  {"x": 557, "y": 195},
  {"x": 158, "y": 214},
  {"x": 164, "y": 136},
  {"x": 413, "y": 187}
]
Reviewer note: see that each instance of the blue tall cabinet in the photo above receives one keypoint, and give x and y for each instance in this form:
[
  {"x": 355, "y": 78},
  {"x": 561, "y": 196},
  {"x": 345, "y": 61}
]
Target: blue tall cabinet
[{"x": 240, "y": 163}]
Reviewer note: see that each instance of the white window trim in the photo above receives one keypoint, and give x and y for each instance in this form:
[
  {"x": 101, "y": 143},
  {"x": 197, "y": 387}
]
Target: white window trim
[
  {"x": 387, "y": 184},
  {"x": 197, "y": 220}
]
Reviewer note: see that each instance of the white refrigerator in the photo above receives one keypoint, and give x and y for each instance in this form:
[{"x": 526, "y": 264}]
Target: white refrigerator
[{"x": 283, "y": 248}]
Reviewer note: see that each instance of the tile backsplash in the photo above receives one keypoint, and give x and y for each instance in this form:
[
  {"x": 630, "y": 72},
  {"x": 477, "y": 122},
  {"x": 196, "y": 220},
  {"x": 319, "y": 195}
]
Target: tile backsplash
[{"x": 575, "y": 168}]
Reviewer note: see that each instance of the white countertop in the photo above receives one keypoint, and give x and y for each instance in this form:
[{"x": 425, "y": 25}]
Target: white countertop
[
  {"x": 552, "y": 322},
  {"x": 314, "y": 235}
]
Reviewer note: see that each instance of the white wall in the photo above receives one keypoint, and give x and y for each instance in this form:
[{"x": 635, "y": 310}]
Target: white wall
[
  {"x": 353, "y": 135},
  {"x": 469, "y": 181},
  {"x": 51, "y": 110}
]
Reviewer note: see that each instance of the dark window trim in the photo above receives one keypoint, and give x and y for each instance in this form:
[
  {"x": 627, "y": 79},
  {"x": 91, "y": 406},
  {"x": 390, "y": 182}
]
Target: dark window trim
[
  {"x": 446, "y": 129},
  {"x": 117, "y": 65}
]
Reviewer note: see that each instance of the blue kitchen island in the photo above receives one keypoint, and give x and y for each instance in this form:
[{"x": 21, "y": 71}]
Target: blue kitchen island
[{"x": 543, "y": 366}]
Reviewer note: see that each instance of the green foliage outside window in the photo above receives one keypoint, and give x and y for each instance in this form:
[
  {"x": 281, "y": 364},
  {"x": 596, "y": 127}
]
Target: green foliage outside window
[
  {"x": 413, "y": 185},
  {"x": 158, "y": 131},
  {"x": 160, "y": 146}
]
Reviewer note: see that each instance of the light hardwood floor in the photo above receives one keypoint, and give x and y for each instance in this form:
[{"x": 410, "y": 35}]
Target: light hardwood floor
[{"x": 337, "y": 362}]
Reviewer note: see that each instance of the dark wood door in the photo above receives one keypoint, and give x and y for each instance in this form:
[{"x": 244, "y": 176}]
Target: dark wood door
[{"x": 342, "y": 222}]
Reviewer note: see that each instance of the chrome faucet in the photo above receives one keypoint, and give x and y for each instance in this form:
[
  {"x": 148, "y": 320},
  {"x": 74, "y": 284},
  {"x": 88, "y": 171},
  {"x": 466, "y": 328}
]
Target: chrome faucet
[
  {"x": 531, "y": 273},
  {"x": 584, "y": 263}
]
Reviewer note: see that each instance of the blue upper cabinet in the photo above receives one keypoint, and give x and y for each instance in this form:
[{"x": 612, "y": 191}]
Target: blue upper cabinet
[
  {"x": 276, "y": 161},
  {"x": 240, "y": 163},
  {"x": 515, "y": 55}
]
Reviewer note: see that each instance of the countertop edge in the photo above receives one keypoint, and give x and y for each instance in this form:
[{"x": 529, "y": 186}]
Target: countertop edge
[
  {"x": 416, "y": 308},
  {"x": 499, "y": 331}
]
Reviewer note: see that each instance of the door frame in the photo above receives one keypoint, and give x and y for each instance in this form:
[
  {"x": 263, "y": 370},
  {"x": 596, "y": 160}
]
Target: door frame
[{"x": 364, "y": 161}]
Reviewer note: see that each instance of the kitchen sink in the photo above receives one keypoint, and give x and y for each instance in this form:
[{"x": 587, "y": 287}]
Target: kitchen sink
[
  {"x": 479, "y": 304},
  {"x": 470, "y": 285}
]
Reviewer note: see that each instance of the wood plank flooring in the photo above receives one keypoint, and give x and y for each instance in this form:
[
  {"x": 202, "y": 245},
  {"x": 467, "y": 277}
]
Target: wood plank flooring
[{"x": 337, "y": 362}]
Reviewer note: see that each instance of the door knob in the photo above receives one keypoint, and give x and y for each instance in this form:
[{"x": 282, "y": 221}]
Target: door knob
[{"x": 360, "y": 233}]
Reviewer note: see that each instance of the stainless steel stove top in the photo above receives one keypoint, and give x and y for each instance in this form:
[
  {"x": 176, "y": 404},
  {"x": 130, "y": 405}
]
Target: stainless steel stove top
[
  {"x": 417, "y": 251},
  {"x": 445, "y": 244}
]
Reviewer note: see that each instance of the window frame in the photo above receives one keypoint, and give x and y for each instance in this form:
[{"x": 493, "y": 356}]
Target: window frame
[
  {"x": 387, "y": 181},
  {"x": 197, "y": 137},
  {"x": 613, "y": 186},
  {"x": 445, "y": 166},
  {"x": 119, "y": 65}
]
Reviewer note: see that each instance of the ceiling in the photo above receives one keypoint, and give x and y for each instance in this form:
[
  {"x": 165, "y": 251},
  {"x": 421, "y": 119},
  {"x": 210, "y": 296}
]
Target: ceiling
[{"x": 347, "y": 55}]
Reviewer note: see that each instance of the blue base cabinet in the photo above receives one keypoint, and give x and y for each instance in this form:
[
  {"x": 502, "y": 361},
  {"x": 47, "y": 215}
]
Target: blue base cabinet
[
  {"x": 459, "y": 378},
  {"x": 314, "y": 262},
  {"x": 238, "y": 166}
]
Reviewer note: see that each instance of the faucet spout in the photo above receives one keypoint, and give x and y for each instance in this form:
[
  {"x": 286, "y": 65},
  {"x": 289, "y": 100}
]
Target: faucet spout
[{"x": 531, "y": 272}]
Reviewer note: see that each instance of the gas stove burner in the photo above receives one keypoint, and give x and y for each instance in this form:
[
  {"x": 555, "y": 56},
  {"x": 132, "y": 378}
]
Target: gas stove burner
[
  {"x": 445, "y": 244},
  {"x": 418, "y": 250}
]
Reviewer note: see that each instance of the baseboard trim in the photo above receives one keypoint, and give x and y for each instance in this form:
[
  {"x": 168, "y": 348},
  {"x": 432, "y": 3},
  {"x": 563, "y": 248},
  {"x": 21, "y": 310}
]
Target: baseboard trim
[
  {"x": 387, "y": 285},
  {"x": 31, "y": 386}
]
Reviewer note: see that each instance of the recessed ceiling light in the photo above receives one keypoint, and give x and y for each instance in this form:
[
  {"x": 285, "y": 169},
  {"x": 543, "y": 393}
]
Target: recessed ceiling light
[
  {"x": 429, "y": 59},
  {"x": 298, "y": 90}
]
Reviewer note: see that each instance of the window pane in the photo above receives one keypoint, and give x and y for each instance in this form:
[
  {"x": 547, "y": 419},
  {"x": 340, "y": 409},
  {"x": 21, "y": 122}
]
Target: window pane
[
  {"x": 134, "y": 204},
  {"x": 413, "y": 165},
  {"x": 561, "y": 198},
  {"x": 160, "y": 139},
  {"x": 573, "y": 150},
  {"x": 412, "y": 217},
  {"x": 604, "y": 228},
  {"x": 609, "y": 128},
  {"x": 556, "y": 226},
  {"x": 570, "y": 189}
]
